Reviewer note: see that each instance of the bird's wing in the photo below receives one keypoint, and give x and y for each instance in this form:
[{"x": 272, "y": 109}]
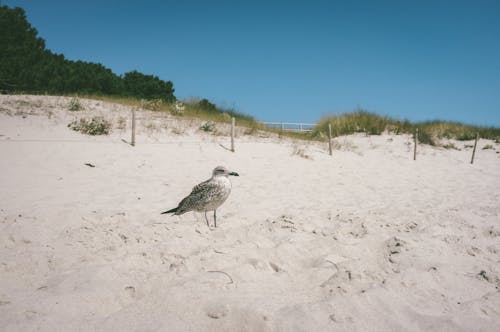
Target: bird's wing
[
  {"x": 202, "y": 191},
  {"x": 201, "y": 187},
  {"x": 198, "y": 196}
]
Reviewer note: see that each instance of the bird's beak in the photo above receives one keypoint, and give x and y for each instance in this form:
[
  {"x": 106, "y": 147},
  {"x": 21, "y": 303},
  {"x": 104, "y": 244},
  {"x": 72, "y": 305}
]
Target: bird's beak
[{"x": 234, "y": 174}]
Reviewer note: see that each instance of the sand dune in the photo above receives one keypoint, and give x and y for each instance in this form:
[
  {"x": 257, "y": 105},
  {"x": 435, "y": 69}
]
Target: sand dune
[{"x": 365, "y": 240}]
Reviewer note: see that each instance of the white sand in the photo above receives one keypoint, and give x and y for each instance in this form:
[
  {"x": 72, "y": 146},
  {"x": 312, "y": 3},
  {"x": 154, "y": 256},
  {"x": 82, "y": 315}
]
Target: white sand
[{"x": 366, "y": 240}]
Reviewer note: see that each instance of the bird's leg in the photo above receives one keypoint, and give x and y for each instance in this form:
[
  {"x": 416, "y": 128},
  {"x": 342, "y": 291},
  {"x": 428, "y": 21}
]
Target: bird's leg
[
  {"x": 215, "y": 218},
  {"x": 207, "y": 219}
]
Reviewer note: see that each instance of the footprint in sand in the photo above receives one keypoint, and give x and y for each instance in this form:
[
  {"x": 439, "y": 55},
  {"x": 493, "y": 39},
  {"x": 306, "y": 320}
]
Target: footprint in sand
[
  {"x": 394, "y": 247},
  {"x": 216, "y": 311}
]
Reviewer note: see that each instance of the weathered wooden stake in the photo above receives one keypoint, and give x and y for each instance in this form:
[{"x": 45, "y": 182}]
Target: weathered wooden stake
[
  {"x": 330, "y": 138},
  {"x": 132, "y": 141},
  {"x": 416, "y": 143},
  {"x": 474, "y": 150},
  {"x": 232, "y": 134}
]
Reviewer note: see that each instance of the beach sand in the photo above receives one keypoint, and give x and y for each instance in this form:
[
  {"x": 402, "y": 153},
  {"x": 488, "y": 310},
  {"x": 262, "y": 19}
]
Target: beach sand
[{"x": 364, "y": 240}]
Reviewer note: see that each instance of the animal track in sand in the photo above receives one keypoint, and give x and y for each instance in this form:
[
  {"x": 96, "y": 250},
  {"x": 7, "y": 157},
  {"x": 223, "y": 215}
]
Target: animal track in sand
[
  {"x": 216, "y": 311},
  {"x": 394, "y": 247},
  {"x": 352, "y": 227}
]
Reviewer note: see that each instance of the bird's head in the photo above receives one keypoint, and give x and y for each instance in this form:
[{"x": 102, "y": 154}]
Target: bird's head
[{"x": 222, "y": 171}]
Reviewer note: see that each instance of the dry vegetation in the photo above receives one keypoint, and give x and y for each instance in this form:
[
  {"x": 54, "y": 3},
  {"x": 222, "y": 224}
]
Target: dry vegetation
[
  {"x": 358, "y": 121},
  {"x": 429, "y": 132}
]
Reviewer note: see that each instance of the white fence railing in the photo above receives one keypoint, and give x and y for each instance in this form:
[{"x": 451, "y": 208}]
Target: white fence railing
[{"x": 291, "y": 126}]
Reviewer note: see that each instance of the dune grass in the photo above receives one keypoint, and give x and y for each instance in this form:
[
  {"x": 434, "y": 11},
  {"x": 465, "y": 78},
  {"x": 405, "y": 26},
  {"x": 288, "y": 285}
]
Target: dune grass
[
  {"x": 192, "y": 109},
  {"x": 361, "y": 121},
  {"x": 459, "y": 131},
  {"x": 358, "y": 121},
  {"x": 429, "y": 132}
]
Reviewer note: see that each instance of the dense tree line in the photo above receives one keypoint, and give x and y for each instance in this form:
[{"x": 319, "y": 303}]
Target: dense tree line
[{"x": 27, "y": 66}]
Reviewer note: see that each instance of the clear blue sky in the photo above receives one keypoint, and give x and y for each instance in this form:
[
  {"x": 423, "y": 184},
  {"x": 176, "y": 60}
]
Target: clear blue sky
[{"x": 296, "y": 60}]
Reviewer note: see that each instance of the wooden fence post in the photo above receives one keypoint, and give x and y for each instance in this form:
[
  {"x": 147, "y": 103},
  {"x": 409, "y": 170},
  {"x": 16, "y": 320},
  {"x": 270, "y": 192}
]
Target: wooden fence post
[
  {"x": 416, "y": 143},
  {"x": 330, "y": 138},
  {"x": 232, "y": 134},
  {"x": 474, "y": 150},
  {"x": 132, "y": 141}
]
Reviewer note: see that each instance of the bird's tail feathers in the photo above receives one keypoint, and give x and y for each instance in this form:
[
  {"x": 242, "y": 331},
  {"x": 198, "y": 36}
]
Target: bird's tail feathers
[{"x": 174, "y": 210}]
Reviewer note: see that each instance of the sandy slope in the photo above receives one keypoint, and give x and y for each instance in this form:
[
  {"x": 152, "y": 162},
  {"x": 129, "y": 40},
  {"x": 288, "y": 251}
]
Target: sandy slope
[{"x": 366, "y": 240}]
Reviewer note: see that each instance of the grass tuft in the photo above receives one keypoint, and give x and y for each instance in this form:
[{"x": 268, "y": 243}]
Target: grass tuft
[{"x": 75, "y": 105}]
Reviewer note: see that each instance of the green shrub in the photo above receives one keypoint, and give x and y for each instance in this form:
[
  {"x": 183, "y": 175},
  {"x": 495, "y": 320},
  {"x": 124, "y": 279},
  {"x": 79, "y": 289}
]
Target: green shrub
[
  {"x": 75, "y": 105},
  {"x": 96, "y": 126},
  {"x": 207, "y": 106},
  {"x": 208, "y": 126}
]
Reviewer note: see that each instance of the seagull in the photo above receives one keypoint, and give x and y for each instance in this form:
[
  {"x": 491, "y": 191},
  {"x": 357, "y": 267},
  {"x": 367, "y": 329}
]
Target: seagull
[{"x": 208, "y": 195}]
